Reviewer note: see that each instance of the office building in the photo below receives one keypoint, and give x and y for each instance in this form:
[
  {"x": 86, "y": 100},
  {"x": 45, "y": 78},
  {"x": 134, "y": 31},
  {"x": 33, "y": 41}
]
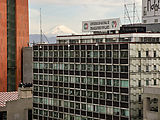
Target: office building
[
  {"x": 94, "y": 77},
  {"x": 14, "y": 35}
]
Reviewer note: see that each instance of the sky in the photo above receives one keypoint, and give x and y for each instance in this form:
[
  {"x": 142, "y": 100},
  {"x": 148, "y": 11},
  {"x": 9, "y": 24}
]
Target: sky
[{"x": 71, "y": 13}]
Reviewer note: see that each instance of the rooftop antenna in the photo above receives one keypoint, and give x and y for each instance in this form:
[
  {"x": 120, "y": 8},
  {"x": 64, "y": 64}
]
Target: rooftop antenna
[
  {"x": 130, "y": 13},
  {"x": 40, "y": 27}
]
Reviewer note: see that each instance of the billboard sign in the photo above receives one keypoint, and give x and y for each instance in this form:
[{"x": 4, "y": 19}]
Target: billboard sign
[
  {"x": 151, "y": 7},
  {"x": 101, "y": 25}
]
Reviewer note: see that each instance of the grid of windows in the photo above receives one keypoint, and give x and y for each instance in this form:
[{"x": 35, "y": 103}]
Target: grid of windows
[{"x": 81, "y": 82}]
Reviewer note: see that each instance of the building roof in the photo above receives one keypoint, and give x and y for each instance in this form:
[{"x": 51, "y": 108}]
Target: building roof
[{"x": 7, "y": 96}]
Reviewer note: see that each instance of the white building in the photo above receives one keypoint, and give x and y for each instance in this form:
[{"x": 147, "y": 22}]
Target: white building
[{"x": 150, "y": 11}]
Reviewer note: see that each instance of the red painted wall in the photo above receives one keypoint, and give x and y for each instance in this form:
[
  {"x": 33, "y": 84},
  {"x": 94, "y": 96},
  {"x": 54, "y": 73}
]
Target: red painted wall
[
  {"x": 22, "y": 35},
  {"x": 3, "y": 45}
]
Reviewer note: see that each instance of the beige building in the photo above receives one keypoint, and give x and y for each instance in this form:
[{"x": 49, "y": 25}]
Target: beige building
[
  {"x": 151, "y": 104},
  {"x": 18, "y": 105}
]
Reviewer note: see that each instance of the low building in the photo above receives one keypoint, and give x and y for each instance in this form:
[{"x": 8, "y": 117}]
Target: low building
[
  {"x": 16, "y": 105},
  {"x": 151, "y": 104}
]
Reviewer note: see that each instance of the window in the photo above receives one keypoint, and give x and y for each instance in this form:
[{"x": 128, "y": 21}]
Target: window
[
  {"x": 89, "y": 81},
  {"x": 109, "y": 96},
  {"x": 139, "y": 83},
  {"x": 77, "y": 105},
  {"x": 102, "y": 54},
  {"x": 124, "y": 68},
  {"x": 156, "y": 20},
  {"x": 83, "y": 67},
  {"x": 155, "y": 82},
  {"x": 109, "y": 110},
  {"x": 77, "y": 92},
  {"x": 102, "y": 95},
  {"x": 89, "y": 107},
  {"x": 139, "y": 54},
  {"x": 147, "y": 68},
  {"x": 83, "y": 106},
  {"x": 139, "y": 68},
  {"x": 116, "y": 97},
  {"x": 95, "y": 80},
  {"x": 35, "y": 65},
  {"x": 115, "y": 68},
  {"x": 144, "y": 21},
  {"x": 147, "y": 82},
  {"x": 139, "y": 98},
  {"x": 35, "y": 54},
  {"x": 124, "y": 54},
  {"x": 77, "y": 67},
  {"x": 102, "y": 67},
  {"x": 71, "y": 104},
  {"x": 95, "y": 54},
  {"x": 109, "y": 82},
  {"x": 124, "y": 112},
  {"x": 72, "y": 66},
  {"x": 147, "y": 53},
  {"x": 108, "y": 68},
  {"x": 124, "y": 83},
  {"x": 108, "y": 54},
  {"x": 95, "y": 95},
  {"x": 140, "y": 113},
  {"x": 89, "y": 67},
  {"x": 115, "y": 54},
  {"x": 124, "y": 98},
  {"x": 83, "y": 93},
  {"x": 89, "y": 93},
  {"x": 116, "y": 83},
  {"x": 116, "y": 111},
  {"x": 154, "y": 54},
  {"x": 83, "y": 80},
  {"x": 155, "y": 67},
  {"x": 95, "y": 68},
  {"x": 102, "y": 81},
  {"x": 83, "y": 54},
  {"x": 61, "y": 54}
]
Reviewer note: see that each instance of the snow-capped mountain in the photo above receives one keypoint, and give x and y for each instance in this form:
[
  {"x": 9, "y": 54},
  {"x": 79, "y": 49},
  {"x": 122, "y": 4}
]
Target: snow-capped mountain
[
  {"x": 51, "y": 34},
  {"x": 60, "y": 30}
]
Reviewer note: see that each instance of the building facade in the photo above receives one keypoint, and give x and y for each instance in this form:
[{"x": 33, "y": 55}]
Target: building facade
[
  {"x": 14, "y": 35},
  {"x": 27, "y": 66},
  {"x": 16, "y": 105},
  {"x": 150, "y": 11},
  {"x": 151, "y": 104},
  {"x": 94, "y": 77}
]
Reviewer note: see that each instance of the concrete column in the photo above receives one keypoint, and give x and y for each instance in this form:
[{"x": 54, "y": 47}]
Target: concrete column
[{"x": 146, "y": 107}]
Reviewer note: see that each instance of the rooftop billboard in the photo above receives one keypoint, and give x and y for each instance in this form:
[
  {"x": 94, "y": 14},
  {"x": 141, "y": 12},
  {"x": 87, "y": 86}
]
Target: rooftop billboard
[{"x": 101, "y": 25}]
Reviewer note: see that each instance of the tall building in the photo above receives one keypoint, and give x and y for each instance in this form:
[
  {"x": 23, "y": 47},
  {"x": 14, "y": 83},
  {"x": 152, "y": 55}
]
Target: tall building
[
  {"x": 94, "y": 77},
  {"x": 150, "y": 11},
  {"x": 14, "y": 35}
]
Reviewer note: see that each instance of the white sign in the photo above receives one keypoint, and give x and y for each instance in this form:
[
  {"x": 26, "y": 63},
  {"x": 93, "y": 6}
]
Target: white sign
[
  {"x": 151, "y": 7},
  {"x": 101, "y": 25}
]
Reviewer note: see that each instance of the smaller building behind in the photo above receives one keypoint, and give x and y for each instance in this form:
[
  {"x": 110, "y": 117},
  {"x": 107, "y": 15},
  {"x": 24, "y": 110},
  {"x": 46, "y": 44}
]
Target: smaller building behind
[
  {"x": 16, "y": 105},
  {"x": 151, "y": 104}
]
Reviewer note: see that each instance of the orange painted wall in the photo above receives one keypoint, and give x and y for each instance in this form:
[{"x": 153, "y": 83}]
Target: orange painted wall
[
  {"x": 3, "y": 45},
  {"x": 22, "y": 35}
]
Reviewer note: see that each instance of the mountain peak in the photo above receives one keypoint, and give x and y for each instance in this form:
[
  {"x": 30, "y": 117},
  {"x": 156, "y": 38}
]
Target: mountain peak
[{"x": 61, "y": 30}]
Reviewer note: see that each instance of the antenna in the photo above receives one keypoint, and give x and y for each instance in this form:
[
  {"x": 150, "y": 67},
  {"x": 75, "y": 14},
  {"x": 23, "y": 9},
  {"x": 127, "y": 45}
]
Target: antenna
[
  {"x": 130, "y": 13},
  {"x": 40, "y": 27}
]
